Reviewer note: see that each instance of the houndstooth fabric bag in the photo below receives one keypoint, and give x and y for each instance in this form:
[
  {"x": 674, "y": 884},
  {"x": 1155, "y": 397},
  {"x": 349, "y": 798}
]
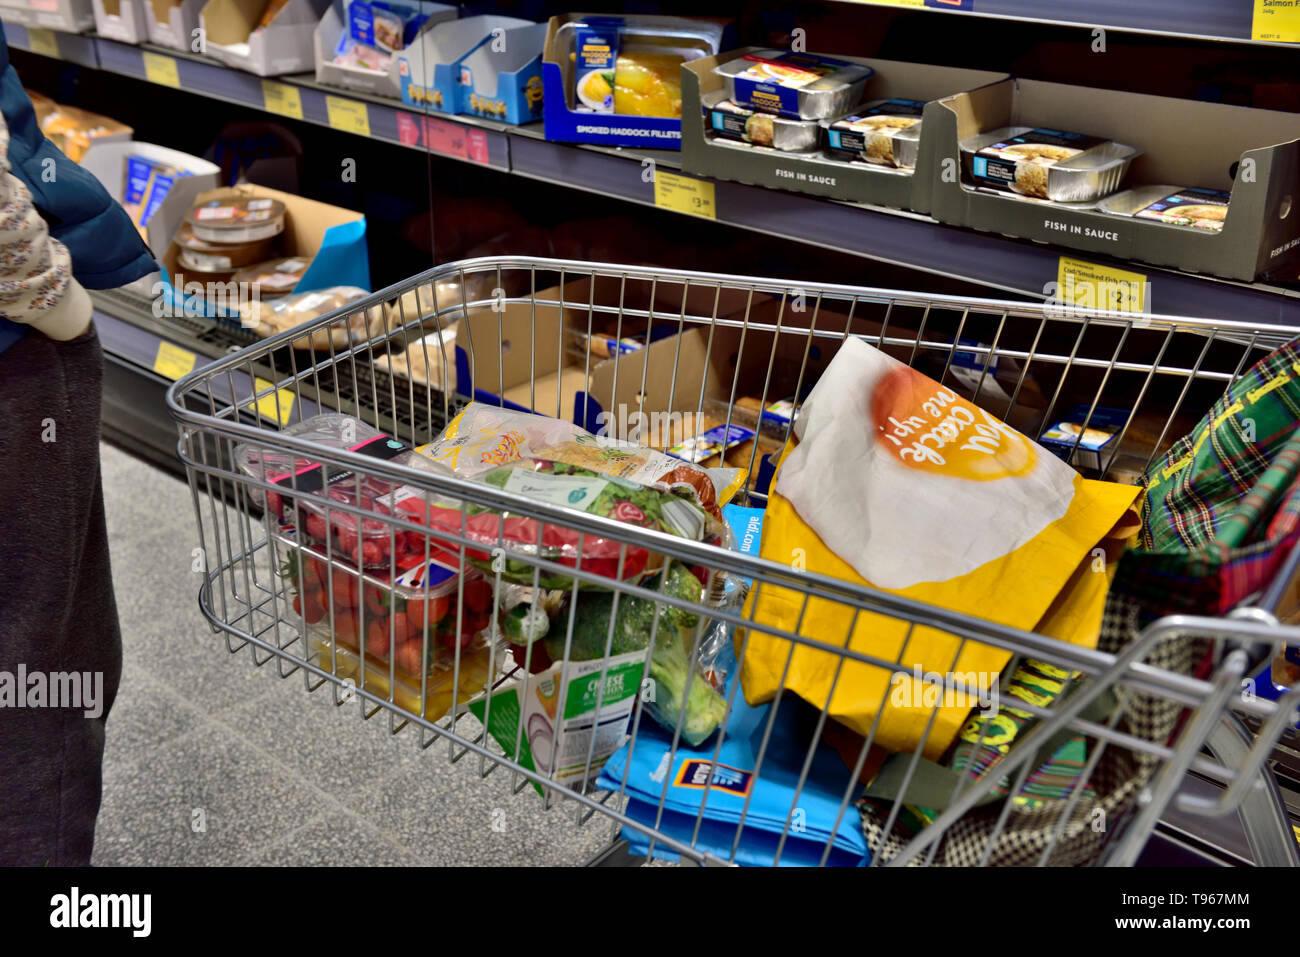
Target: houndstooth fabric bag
[{"x": 1075, "y": 834}]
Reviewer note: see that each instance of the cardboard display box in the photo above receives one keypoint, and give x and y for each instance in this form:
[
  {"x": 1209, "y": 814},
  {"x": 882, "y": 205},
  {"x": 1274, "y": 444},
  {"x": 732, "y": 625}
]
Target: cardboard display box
[
  {"x": 502, "y": 79},
  {"x": 1184, "y": 143},
  {"x": 333, "y": 238},
  {"x": 818, "y": 174},
  {"x": 429, "y": 69},
  {"x": 286, "y": 46},
  {"x": 121, "y": 20},
  {"x": 69, "y": 16},
  {"x": 568, "y": 125},
  {"x": 326, "y": 38},
  {"x": 107, "y": 161},
  {"x": 515, "y": 357},
  {"x": 171, "y": 23}
]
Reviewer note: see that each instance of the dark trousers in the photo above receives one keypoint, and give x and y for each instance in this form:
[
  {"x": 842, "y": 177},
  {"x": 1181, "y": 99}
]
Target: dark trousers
[{"x": 57, "y": 611}]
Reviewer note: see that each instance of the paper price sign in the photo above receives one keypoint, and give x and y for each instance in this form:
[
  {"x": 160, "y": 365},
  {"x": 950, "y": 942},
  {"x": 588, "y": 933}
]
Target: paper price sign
[
  {"x": 161, "y": 69},
  {"x": 42, "y": 42},
  {"x": 277, "y": 405},
  {"x": 683, "y": 194},
  {"x": 1277, "y": 22},
  {"x": 173, "y": 361},
  {"x": 282, "y": 99},
  {"x": 1092, "y": 286},
  {"x": 348, "y": 115}
]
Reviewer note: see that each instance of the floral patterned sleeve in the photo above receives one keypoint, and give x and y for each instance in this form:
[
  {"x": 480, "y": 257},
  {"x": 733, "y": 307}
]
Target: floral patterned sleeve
[{"x": 36, "y": 284}]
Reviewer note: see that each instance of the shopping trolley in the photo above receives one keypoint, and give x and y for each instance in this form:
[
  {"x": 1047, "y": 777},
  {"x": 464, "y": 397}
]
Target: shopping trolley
[{"x": 1024, "y": 362}]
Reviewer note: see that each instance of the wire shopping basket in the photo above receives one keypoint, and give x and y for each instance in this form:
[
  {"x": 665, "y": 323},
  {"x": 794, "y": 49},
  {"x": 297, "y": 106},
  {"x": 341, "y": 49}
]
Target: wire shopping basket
[{"x": 601, "y": 345}]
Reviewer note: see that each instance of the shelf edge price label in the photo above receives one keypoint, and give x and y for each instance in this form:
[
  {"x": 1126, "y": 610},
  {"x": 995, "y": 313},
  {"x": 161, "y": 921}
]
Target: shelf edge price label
[
  {"x": 43, "y": 42},
  {"x": 1275, "y": 22},
  {"x": 173, "y": 361},
  {"x": 277, "y": 405},
  {"x": 161, "y": 69},
  {"x": 1107, "y": 289},
  {"x": 348, "y": 115},
  {"x": 684, "y": 194},
  {"x": 282, "y": 99}
]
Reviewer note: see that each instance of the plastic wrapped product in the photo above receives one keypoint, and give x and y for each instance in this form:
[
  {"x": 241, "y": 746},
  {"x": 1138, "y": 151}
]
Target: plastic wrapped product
[
  {"x": 242, "y": 220},
  {"x": 203, "y": 256},
  {"x": 1048, "y": 164},
  {"x": 729, "y": 121},
  {"x": 674, "y": 510},
  {"x": 482, "y": 437},
  {"x": 887, "y": 133},
  {"x": 306, "y": 489},
  {"x": 275, "y": 277},
  {"x": 1189, "y": 207},
  {"x": 288, "y": 312},
  {"x": 798, "y": 85}
]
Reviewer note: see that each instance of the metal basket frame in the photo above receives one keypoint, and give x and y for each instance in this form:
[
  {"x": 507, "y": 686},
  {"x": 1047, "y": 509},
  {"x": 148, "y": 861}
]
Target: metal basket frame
[{"x": 242, "y": 597}]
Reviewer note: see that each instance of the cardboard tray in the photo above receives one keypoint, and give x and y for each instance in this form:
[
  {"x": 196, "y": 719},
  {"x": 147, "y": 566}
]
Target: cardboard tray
[
  {"x": 286, "y": 46},
  {"x": 107, "y": 161},
  {"x": 172, "y": 24},
  {"x": 334, "y": 239},
  {"x": 429, "y": 70},
  {"x": 121, "y": 20},
  {"x": 1254, "y": 153},
  {"x": 817, "y": 174},
  {"x": 502, "y": 79},
  {"x": 326, "y": 39},
  {"x": 69, "y": 16},
  {"x": 608, "y": 129}
]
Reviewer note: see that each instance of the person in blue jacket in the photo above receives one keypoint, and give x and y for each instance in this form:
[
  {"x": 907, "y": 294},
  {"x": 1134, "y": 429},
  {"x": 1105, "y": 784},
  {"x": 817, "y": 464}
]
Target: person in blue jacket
[{"x": 60, "y": 647}]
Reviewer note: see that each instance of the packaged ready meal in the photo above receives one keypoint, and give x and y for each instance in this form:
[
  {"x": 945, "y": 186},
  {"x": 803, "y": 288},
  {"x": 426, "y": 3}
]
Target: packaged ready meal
[
  {"x": 943, "y": 504},
  {"x": 1044, "y": 163},
  {"x": 887, "y": 133},
  {"x": 798, "y": 85},
  {"x": 727, "y": 120},
  {"x": 632, "y": 65},
  {"x": 1189, "y": 207}
]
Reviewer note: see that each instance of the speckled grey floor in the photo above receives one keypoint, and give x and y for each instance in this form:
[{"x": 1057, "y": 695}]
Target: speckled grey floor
[{"x": 213, "y": 761}]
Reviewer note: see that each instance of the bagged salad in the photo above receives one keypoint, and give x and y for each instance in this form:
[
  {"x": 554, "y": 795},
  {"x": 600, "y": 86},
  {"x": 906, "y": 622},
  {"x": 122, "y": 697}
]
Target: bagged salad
[{"x": 561, "y": 464}]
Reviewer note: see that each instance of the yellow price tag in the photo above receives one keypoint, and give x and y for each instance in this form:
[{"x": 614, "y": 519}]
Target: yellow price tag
[
  {"x": 277, "y": 405},
  {"x": 1279, "y": 22},
  {"x": 348, "y": 115},
  {"x": 1091, "y": 286},
  {"x": 43, "y": 42},
  {"x": 173, "y": 361},
  {"x": 161, "y": 69},
  {"x": 282, "y": 99},
  {"x": 682, "y": 194},
  {"x": 894, "y": 3}
]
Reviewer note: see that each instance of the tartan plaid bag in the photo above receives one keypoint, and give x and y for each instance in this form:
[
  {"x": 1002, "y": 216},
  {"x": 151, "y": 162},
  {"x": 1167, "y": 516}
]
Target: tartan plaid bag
[{"x": 1221, "y": 513}]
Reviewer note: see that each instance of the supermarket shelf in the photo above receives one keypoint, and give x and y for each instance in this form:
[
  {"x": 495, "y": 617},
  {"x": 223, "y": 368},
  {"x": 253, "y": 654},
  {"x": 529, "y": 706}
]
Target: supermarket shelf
[
  {"x": 892, "y": 236},
  {"x": 477, "y": 142},
  {"x": 1196, "y": 19},
  {"x": 78, "y": 48}
]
